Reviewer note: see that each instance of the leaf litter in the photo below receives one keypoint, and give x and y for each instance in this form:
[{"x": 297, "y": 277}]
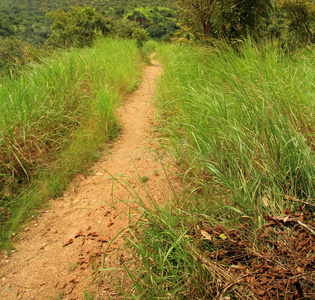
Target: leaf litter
[{"x": 277, "y": 262}]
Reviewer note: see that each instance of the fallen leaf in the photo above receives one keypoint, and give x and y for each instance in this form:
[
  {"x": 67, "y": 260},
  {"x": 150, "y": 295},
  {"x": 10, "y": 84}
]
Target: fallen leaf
[
  {"x": 82, "y": 261},
  {"x": 94, "y": 234},
  {"x": 103, "y": 240},
  {"x": 64, "y": 286},
  {"x": 80, "y": 233},
  {"x": 223, "y": 237},
  {"x": 68, "y": 243},
  {"x": 265, "y": 200},
  {"x": 206, "y": 235}
]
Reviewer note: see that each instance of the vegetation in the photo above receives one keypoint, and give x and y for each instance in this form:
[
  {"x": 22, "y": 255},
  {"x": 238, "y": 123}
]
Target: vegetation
[
  {"x": 26, "y": 20},
  {"x": 78, "y": 27},
  {"x": 241, "y": 126},
  {"x": 15, "y": 55},
  {"x": 237, "y": 111},
  {"x": 159, "y": 22},
  {"x": 54, "y": 119},
  {"x": 291, "y": 21}
]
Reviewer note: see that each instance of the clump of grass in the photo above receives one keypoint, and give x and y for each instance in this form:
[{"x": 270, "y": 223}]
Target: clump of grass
[
  {"x": 246, "y": 119},
  {"x": 240, "y": 122},
  {"x": 144, "y": 179},
  {"x": 55, "y": 119}
]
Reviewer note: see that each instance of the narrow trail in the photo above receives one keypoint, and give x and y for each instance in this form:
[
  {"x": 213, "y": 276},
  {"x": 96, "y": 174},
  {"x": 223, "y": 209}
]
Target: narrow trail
[{"x": 59, "y": 255}]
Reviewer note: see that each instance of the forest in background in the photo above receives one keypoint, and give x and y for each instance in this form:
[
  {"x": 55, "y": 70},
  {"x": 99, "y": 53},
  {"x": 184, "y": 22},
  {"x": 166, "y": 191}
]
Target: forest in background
[
  {"x": 30, "y": 29},
  {"x": 26, "y": 19}
]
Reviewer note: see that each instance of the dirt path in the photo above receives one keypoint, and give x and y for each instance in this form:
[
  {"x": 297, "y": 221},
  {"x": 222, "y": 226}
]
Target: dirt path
[{"x": 60, "y": 254}]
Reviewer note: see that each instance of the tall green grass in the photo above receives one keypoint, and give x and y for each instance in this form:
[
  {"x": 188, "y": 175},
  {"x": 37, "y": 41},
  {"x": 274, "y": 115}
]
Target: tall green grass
[
  {"x": 54, "y": 120},
  {"x": 244, "y": 119},
  {"x": 240, "y": 122}
]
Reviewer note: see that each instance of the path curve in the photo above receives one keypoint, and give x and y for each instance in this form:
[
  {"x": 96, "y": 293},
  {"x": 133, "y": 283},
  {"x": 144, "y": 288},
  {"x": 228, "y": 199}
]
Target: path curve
[{"x": 59, "y": 255}]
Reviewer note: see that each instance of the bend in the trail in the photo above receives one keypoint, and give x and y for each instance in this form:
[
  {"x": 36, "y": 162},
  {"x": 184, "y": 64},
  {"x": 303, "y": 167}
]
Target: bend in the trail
[{"x": 60, "y": 254}]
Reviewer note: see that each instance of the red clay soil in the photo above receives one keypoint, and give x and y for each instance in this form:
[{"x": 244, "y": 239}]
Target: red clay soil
[{"x": 59, "y": 255}]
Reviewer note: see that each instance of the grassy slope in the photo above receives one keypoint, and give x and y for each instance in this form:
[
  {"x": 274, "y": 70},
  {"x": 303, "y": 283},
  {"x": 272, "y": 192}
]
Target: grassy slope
[
  {"x": 54, "y": 120},
  {"x": 241, "y": 125}
]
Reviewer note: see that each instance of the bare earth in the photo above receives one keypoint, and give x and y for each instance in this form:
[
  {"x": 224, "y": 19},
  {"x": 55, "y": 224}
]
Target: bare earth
[{"x": 59, "y": 255}]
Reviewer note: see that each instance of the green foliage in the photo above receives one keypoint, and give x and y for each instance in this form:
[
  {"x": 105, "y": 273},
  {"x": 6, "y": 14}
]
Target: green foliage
[
  {"x": 240, "y": 124},
  {"x": 158, "y": 21},
  {"x": 290, "y": 21},
  {"x": 78, "y": 27},
  {"x": 141, "y": 36},
  {"x": 26, "y": 20},
  {"x": 230, "y": 18},
  {"x": 230, "y": 117},
  {"x": 15, "y": 54},
  {"x": 299, "y": 18}
]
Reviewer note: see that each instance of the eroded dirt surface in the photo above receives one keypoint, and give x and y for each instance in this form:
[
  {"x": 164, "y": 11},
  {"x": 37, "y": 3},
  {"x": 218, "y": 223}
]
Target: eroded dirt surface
[{"x": 59, "y": 255}]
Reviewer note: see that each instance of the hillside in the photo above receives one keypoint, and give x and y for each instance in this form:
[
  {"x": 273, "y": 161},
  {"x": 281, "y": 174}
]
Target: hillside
[{"x": 26, "y": 20}]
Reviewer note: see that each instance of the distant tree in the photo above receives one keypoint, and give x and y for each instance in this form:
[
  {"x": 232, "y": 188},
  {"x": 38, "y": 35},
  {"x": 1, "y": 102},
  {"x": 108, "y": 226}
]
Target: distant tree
[
  {"x": 231, "y": 18},
  {"x": 159, "y": 22},
  {"x": 77, "y": 27},
  {"x": 299, "y": 16}
]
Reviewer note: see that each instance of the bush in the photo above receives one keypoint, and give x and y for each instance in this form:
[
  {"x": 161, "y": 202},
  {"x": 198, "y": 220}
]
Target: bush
[{"x": 15, "y": 54}]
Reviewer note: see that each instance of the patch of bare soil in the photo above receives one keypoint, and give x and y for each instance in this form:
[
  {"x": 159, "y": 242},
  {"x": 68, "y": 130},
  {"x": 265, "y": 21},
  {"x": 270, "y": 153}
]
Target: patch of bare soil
[{"x": 59, "y": 255}]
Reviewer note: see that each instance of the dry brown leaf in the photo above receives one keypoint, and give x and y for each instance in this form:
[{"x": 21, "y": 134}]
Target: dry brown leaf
[
  {"x": 80, "y": 233},
  {"x": 68, "y": 243},
  {"x": 265, "y": 200},
  {"x": 206, "y": 235}
]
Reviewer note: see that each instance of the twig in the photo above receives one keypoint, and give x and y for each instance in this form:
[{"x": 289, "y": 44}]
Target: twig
[
  {"x": 229, "y": 285},
  {"x": 298, "y": 200},
  {"x": 284, "y": 220}
]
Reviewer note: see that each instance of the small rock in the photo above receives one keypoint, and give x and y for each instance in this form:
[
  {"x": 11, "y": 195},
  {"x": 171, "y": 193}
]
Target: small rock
[{"x": 43, "y": 246}]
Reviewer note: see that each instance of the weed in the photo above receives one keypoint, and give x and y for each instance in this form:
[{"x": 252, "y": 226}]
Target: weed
[
  {"x": 72, "y": 266},
  {"x": 144, "y": 179},
  {"x": 88, "y": 295}
]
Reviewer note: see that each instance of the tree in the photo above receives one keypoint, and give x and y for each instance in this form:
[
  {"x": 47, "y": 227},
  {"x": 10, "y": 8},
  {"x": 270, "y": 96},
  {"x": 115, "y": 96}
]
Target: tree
[
  {"x": 300, "y": 18},
  {"x": 78, "y": 27},
  {"x": 229, "y": 18}
]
